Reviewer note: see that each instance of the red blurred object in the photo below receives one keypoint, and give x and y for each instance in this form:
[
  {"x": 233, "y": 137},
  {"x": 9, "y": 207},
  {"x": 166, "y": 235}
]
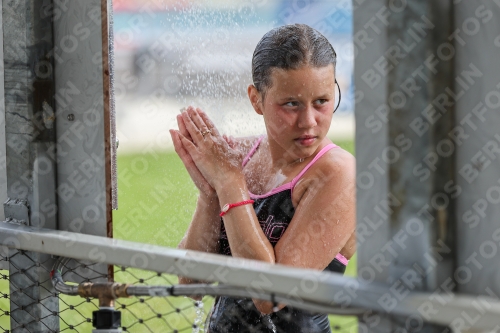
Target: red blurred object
[{"x": 149, "y": 5}]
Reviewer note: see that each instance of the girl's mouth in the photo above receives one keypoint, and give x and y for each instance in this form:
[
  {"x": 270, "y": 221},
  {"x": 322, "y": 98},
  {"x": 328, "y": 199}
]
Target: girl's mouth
[{"x": 306, "y": 140}]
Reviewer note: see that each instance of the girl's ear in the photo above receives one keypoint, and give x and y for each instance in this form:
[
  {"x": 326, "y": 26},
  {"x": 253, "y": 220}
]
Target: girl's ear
[{"x": 255, "y": 99}]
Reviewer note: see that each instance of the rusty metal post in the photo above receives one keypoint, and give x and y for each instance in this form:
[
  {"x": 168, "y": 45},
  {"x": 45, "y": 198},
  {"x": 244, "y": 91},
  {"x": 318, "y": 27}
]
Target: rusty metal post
[{"x": 86, "y": 157}]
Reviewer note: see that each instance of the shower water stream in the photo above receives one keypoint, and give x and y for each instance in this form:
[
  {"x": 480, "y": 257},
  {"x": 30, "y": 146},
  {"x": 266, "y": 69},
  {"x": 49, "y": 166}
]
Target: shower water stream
[{"x": 198, "y": 321}]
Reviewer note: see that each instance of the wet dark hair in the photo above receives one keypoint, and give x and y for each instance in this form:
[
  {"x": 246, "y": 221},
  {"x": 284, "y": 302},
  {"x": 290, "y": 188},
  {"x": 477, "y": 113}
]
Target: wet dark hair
[{"x": 289, "y": 47}]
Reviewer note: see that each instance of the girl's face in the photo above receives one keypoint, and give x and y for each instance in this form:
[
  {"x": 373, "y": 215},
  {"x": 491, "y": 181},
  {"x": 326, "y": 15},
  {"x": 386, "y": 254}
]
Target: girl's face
[{"x": 297, "y": 109}]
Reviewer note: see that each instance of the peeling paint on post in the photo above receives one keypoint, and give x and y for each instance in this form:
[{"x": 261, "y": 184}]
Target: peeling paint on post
[
  {"x": 82, "y": 95},
  {"x": 30, "y": 137},
  {"x": 59, "y": 137}
]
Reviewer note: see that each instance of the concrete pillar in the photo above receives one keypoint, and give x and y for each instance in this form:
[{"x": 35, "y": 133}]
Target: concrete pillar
[
  {"x": 406, "y": 177},
  {"x": 30, "y": 143}
]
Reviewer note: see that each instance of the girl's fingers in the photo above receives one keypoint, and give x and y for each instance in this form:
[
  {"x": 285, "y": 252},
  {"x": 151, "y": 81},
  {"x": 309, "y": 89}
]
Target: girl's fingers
[
  {"x": 189, "y": 164},
  {"x": 191, "y": 127},
  {"x": 182, "y": 127},
  {"x": 185, "y": 155},
  {"x": 187, "y": 144},
  {"x": 198, "y": 121},
  {"x": 210, "y": 125},
  {"x": 179, "y": 149},
  {"x": 175, "y": 139}
]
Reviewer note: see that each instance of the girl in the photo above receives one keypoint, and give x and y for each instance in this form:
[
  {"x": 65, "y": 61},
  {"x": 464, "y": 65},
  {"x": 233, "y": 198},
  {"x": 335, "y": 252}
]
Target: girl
[{"x": 287, "y": 197}]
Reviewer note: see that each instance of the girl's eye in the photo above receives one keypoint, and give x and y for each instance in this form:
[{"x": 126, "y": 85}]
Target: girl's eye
[{"x": 321, "y": 101}]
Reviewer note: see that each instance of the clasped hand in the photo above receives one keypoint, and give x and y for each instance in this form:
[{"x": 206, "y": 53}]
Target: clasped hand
[{"x": 207, "y": 156}]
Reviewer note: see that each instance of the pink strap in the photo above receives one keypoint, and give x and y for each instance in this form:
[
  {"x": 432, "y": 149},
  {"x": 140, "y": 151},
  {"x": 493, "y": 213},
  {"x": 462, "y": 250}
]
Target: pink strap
[
  {"x": 342, "y": 259},
  {"x": 318, "y": 155},
  {"x": 252, "y": 151}
]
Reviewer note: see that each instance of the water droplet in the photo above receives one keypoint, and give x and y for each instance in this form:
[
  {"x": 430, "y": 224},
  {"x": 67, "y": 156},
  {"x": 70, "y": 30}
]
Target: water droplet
[
  {"x": 198, "y": 321},
  {"x": 269, "y": 322}
]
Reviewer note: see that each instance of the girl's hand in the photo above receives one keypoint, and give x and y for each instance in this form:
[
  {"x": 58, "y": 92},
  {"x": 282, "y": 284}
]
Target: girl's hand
[
  {"x": 195, "y": 174},
  {"x": 210, "y": 152}
]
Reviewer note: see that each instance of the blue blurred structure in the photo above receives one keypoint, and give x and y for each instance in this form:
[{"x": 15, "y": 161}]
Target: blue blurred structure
[
  {"x": 206, "y": 50},
  {"x": 331, "y": 18}
]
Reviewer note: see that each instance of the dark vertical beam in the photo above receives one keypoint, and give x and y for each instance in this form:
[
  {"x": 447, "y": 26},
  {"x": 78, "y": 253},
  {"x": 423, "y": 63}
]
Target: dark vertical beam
[{"x": 30, "y": 151}]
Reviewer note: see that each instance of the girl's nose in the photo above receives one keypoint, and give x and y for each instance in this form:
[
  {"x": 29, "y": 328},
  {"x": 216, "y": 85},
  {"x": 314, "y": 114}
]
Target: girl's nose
[{"x": 307, "y": 118}]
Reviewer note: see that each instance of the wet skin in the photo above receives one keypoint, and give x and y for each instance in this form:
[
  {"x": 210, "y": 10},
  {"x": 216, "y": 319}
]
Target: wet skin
[{"x": 297, "y": 111}]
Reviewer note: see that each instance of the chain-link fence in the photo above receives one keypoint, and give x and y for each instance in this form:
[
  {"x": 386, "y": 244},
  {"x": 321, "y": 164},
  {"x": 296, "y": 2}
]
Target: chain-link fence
[
  {"x": 4, "y": 299},
  {"x": 20, "y": 292},
  {"x": 27, "y": 299}
]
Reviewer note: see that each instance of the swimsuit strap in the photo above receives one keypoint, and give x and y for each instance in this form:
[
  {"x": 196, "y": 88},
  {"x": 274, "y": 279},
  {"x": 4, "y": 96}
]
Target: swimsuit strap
[
  {"x": 318, "y": 155},
  {"x": 252, "y": 151},
  {"x": 342, "y": 259}
]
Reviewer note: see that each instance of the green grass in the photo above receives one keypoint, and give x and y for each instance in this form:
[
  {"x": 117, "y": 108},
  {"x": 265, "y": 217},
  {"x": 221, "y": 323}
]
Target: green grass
[
  {"x": 156, "y": 202},
  {"x": 157, "y": 198},
  {"x": 4, "y": 301}
]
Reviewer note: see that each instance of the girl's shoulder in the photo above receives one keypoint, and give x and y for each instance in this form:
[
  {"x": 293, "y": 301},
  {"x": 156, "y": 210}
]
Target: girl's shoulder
[
  {"x": 335, "y": 163},
  {"x": 334, "y": 160},
  {"x": 337, "y": 167},
  {"x": 338, "y": 157}
]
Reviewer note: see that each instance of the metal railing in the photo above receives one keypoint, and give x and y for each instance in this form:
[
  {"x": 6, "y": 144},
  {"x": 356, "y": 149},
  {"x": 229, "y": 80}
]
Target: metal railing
[{"x": 152, "y": 299}]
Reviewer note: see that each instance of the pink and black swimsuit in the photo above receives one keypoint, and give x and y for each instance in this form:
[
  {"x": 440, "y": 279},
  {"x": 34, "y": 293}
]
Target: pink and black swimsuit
[{"x": 274, "y": 211}]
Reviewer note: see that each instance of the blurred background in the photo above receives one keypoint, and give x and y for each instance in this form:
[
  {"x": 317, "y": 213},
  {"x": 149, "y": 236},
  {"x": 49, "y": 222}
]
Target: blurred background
[
  {"x": 170, "y": 54},
  {"x": 174, "y": 53}
]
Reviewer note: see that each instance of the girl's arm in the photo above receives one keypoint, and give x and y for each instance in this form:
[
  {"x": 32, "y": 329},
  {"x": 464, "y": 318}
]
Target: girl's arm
[
  {"x": 324, "y": 218},
  {"x": 245, "y": 236},
  {"x": 204, "y": 231},
  {"x": 323, "y": 222}
]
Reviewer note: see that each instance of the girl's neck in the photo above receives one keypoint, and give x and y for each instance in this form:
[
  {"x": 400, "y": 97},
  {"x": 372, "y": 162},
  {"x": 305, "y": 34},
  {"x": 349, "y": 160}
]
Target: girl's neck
[{"x": 281, "y": 159}]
